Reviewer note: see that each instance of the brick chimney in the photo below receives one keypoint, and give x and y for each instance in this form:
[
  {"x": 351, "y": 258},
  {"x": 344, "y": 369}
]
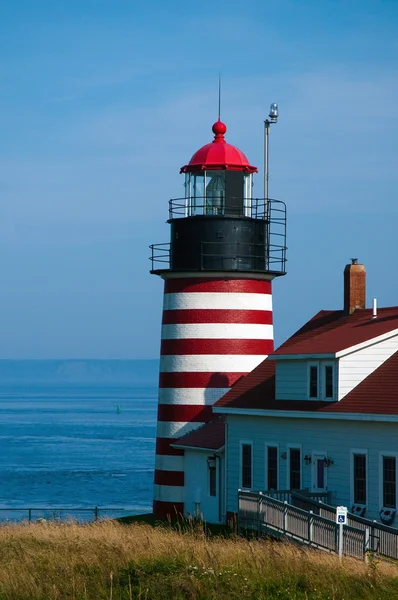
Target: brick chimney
[{"x": 354, "y": 287}]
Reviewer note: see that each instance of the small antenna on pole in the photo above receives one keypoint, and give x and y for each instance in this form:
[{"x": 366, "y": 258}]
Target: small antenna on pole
[{"x": 219, "y": 96}]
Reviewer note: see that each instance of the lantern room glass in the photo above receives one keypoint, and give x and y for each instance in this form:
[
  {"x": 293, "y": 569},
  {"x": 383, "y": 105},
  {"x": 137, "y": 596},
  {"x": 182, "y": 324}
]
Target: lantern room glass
[
  {"x": 214, "y": 192},
  {"x": 206, "y": 193}
]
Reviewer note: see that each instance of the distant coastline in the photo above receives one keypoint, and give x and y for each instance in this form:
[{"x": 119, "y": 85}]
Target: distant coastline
[{"x": 133, "y": 371}]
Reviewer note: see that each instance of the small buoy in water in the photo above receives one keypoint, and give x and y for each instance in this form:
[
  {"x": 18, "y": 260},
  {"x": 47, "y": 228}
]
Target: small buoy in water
[{"x": 118, "y": 411}]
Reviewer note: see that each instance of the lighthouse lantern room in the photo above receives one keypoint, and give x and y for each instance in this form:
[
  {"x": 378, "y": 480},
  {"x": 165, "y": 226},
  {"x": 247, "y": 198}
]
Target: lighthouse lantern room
[{"x": 225, "y": 249}]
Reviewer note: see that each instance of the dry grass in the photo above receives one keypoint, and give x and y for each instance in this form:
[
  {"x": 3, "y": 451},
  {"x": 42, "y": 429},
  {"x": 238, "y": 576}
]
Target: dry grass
[{"x": 112, "y": 561}]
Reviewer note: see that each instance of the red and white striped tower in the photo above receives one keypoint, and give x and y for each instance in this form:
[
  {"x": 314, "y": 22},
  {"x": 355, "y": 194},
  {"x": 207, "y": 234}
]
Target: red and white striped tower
[{"x": 217, "y": 311}]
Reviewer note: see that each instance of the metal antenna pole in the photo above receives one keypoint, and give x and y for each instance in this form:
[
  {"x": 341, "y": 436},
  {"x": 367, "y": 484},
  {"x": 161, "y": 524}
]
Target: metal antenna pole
[
  {"x": 273, "y": 118},
  {"x": 219, "y": 96},
  {"x": 266, "y": 158}
]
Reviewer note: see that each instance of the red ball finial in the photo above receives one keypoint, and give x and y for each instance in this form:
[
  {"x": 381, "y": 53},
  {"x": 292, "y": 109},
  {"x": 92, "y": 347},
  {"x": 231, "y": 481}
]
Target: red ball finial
[{"x": 219, "y": 128}]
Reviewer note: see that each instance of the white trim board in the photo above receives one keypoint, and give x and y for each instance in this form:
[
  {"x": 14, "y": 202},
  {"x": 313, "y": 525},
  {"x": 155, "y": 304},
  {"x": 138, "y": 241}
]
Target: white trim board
[
  {"x": 301, "y": 414},
  {"x": 198, "y": 448}
]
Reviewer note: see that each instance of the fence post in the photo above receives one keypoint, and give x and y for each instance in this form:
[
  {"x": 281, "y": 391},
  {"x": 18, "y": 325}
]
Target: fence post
[
  {"x": 367, "y": 544},
  {"x": 310, "y": 527},
  {"x": 30, "y": 515},
  {"x": 285, "y": 516},
  {"x": 340, "y": 540},
  {"x": 96, "y": 513},
  {"x": 374, "y": 540},
  {"x": 239, "y": 513},
  {"x": 259, "y": 504}
]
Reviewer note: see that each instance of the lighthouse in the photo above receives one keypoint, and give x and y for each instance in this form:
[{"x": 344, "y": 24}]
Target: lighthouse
[{"x": 226, "y": 247}]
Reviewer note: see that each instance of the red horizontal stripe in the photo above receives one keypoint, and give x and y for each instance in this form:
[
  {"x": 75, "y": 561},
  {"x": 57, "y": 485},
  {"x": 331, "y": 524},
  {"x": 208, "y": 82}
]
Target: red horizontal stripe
[
  {"x": 249, "y": 286},
  {"x": 217, "y": 315},
  {"x": 169, "y": 477},
  {"x": 214, "y": 346},
  {"x": 184, "y": 413},
  {"x": 198, "y": 380},
  {"x": 166, "y": 510},
  {"x": 163, "y": 447}
]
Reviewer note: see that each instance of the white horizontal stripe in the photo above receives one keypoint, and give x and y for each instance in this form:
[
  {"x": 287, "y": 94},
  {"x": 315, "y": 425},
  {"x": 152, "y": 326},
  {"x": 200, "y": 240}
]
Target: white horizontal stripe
[
  {"x": 223, "y": 331},
  {"x": 226, "y": 300},
  {"x": 169, "y": 463},
  {"x": 175, "y": 429},
  {"x": 192, "y": 396},
  {"x": 168, "y": 493},
  {"x": 210, "y": 363}
]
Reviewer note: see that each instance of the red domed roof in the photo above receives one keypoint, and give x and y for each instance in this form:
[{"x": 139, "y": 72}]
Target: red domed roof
[{"x": 218, "y": 155}]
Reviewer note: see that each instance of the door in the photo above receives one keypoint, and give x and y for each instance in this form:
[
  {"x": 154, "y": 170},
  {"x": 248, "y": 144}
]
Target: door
[{"x": 319, "y": 479}]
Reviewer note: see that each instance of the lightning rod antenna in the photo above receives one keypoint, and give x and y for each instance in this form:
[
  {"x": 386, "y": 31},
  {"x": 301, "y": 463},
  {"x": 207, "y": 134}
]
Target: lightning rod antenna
[{"x": 219, "y": 96}]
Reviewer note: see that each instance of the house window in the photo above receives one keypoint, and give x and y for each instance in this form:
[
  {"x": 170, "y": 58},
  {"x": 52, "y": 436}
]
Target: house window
[
  {"x": 389, "y": 481},
  {"x": 329, "y": 381},
  {"x": 272, "y": 468},
  {"x": 294, "y": 468},
  {"x": 359, "y": 468},
  {"x": 320, "y": 474},
  {"x": 313, "y": 381},
  {"x": 246, "y": 466},
  {"x": 212, "y": 479}
]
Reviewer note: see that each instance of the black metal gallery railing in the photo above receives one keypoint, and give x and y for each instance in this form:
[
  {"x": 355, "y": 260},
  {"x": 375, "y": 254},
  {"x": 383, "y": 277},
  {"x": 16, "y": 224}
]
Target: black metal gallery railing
[
  {"x": 222, "y": 256},
  {"x": 227, "y": 206}
]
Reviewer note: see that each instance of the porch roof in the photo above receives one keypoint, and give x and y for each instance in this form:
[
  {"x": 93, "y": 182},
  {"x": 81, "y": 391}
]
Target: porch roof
[{"x": 210, "y": 436}]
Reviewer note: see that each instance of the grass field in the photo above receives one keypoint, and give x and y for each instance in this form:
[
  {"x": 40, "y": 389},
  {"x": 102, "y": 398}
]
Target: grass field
[{"x": 109, "y": 560}]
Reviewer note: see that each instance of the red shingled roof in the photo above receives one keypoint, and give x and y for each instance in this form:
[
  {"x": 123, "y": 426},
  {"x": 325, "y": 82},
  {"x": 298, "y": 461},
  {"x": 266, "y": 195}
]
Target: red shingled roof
[
  {"x": 332, "y": 331},
  {"x": 251, "y": 390},
  {"x": 210, "y": 436},
  {"x": 376, "y": 394}
]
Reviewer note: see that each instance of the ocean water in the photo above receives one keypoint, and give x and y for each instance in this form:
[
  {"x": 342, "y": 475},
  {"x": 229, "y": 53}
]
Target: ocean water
[{"x": 65, "y": 443}]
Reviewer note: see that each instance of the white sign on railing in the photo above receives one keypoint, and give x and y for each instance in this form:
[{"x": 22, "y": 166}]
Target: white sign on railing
[{"x": 341, "y": 515}]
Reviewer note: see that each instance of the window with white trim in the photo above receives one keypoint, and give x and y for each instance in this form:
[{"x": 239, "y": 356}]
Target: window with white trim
[
  {"x": 328, "y": 387},
  {"x": 359, "y": 478},
  {"x": 321, "y": 380},
  {"x": 246, "y": 465},
  {"x": 272, "y": 467},
  {"x": 212, "y": 470},
  {"x": 313, "y": 381},
  {"x": 294, "y": 468},
  {"x": 389, "y": 481}
]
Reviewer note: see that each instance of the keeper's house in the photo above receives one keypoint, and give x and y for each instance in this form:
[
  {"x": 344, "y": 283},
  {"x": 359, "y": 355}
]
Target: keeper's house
[{"x": 320, "y": 413}]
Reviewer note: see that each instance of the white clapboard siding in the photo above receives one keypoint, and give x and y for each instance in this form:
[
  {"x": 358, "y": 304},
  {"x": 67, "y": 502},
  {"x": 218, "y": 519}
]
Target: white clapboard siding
[
  {"x": 197, "y": 486},
  {"x": 291, "y": 380},
  {"x": 338, "y": 439},
  {"x": 355, "y": 367}
]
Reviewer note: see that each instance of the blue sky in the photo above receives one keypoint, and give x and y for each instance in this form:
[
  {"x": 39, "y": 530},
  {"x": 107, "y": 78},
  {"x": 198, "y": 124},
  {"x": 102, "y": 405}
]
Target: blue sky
[{"x": 101, "y": 103}]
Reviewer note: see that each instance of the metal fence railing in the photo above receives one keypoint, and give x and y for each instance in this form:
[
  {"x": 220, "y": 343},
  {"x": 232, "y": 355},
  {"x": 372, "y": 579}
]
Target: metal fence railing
[
  {"x": 266, "y": 515},
  {"x": 383, "y": 539},
  {"x": 288, "y": 495},
  {"x": 80, "y": 515}
]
